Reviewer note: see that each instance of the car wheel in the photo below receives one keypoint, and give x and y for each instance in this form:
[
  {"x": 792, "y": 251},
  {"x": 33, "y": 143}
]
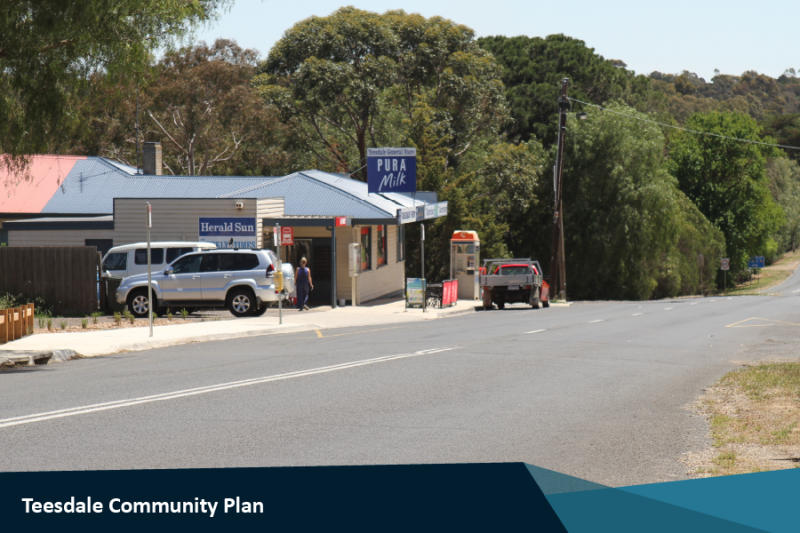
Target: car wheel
[
  {"x": 241, "y": 303},
  {"x": 546, "y": 303},
  {"x": 501, "y": 305},
  {"x": 536, "y": 301},
  {"x": 260, "y": 311},
  {"x": 138, "y": 303}
]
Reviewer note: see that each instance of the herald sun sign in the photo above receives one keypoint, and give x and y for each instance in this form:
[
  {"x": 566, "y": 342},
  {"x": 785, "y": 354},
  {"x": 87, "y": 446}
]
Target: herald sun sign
[{"x": 391, "y": 169}]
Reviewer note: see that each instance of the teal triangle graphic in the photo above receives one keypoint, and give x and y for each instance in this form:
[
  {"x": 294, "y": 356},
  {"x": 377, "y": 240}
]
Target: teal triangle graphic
[
  {"x": 766, "y": 500},
  {"x": 618, "y": 511},
  {"x": 552, "y": 482}
]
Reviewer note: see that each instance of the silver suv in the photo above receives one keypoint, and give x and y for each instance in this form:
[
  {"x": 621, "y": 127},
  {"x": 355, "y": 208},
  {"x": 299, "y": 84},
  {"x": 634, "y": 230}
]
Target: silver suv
[{"x": 240, "y": 280}]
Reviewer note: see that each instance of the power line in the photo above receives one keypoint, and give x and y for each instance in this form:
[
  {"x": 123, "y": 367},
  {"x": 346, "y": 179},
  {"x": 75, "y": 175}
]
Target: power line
[{"x": 684, "y": 129}]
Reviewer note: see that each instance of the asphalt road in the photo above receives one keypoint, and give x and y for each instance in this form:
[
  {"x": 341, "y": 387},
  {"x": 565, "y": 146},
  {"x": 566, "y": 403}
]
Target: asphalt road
[{"x": 597, "y": 390}]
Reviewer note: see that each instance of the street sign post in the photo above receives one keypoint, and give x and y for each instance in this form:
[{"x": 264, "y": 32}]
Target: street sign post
[
  {"x": 149, "y": 270},
  {"x": 700, "y": 264},
  {"x": 279, "y": 268},
  {"x": 725, "y": 265},
  {"x": 756, "y": 262}
]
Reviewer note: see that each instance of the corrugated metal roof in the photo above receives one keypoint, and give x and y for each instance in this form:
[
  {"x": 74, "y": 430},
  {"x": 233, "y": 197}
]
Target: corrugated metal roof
[
  {"x": 19, "y": 195},
  {"x": 93, "y": 184},
  {"x": 73, "y": 185},
  {"x": 312, "y": 193}
]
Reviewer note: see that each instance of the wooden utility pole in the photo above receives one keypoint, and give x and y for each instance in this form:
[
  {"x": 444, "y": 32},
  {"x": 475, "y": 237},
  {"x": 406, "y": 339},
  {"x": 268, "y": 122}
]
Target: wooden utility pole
[{"x": 558, "y": 275}]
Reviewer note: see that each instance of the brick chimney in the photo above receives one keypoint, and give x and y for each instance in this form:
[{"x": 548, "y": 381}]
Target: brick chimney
[{"x": 152, "y": 159}]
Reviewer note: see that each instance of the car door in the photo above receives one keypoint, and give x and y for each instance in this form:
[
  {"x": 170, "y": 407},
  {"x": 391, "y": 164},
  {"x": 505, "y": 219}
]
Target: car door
[
  {"x": 183, "y": 283},
  {"x": 217, "y": 272}
]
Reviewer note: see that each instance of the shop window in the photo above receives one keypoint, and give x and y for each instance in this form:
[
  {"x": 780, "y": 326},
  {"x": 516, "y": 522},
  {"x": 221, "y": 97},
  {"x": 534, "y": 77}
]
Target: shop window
[
  {"x": 401, "y": 243},
  {"x": 366, "y": 248},
  {"x": 383, "y": 258}
]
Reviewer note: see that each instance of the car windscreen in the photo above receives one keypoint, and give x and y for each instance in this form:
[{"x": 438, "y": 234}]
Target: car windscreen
[
  {"x": 116, "y": 261},
  {"x": 156, "y": 256}
]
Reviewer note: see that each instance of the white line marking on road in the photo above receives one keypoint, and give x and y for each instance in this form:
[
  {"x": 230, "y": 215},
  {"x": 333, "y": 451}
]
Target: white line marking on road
[
  {"x": 712, "y": 301},
  {"x": 636, "y": 314},
  {"x": 667, "y": 308},
  {"x": 593, "y": 321},
  {"x": 61, "y": 413},
  {"x": 536, "y": 331},
  {"x": 693, "y": 303}
]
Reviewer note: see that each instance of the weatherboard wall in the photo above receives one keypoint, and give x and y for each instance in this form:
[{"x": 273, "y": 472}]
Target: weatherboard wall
[{"x": 174, "y": 219}]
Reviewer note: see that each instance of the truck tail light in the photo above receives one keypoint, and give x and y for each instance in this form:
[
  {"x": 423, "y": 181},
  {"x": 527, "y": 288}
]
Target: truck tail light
[{"x": 527, "y": 286}]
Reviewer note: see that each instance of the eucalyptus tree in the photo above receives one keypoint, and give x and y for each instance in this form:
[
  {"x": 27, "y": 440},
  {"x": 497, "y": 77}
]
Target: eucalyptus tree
[
  {"x": 727, "y": 180},
  {"x": 48, "y": 47},
  {"x": 357, "y": 79}
]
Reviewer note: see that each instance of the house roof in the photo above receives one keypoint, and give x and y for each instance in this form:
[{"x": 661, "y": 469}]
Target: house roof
[
  {"x": 93, "y": 184},
  {"x": 30, "y": 192},
  {"x": 313, "y": 193},
  {"x": 88, "y": 185}
]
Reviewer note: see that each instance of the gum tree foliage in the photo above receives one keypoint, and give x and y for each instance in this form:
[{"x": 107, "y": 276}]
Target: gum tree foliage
[
  {"x": 49, "y": 47},
  {"x": 357, "y": 79},
  {"x": 727, "y": 180},
  {"x": 784, "y": 184},
  {"x": 785, "y": 129},
  {"x": 751, "y": 93},
  {"x": 629, "y": 232},
  {"x": 533, "y": 68},
  {"x": 199, "y": 103}
]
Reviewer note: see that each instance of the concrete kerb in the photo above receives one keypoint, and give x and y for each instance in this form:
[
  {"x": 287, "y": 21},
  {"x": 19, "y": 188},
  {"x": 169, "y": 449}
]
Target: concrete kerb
[
  {"x": 30, "y": 357},
  {"x": 155, "y": 342},
  {"x": 32, "y": 350}
]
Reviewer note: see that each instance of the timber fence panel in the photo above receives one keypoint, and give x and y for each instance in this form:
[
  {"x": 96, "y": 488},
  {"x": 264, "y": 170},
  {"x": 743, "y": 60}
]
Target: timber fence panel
[
  {"x": 17, "y": 323},
  {"x": 31, "y": 312},
  {"x": 65, "y": 277}
]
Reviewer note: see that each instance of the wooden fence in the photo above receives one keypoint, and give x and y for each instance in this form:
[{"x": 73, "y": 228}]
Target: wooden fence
[
  {"x": 65, "y": 277},
  {"x": 16, "y": 322}
]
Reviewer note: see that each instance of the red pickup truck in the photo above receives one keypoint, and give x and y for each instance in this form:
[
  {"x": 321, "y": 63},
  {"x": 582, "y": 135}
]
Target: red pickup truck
[{"x": 513, "y": 281}]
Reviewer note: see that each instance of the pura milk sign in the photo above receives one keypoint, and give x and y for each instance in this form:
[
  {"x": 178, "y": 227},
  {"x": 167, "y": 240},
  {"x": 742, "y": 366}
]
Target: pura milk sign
[
  {"x": 391, "y": 170},
  {"x": 229, "y": 232}
]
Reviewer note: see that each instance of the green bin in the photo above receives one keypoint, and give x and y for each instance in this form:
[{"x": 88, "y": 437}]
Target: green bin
[{"x": 112, "y": 284}]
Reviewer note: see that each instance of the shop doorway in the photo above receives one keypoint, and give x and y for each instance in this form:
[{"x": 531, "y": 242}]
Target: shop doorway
[{"x": 317, "y": 252}]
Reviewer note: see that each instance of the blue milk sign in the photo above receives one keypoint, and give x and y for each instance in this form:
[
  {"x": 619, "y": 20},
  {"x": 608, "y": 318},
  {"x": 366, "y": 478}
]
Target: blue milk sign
[
  {"x": 391, "y": 169},
  {"x": 228, "y": 232}
]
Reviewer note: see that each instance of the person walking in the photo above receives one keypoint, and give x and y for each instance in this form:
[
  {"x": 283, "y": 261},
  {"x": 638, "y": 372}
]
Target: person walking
[{"x": 303, "y": 284}]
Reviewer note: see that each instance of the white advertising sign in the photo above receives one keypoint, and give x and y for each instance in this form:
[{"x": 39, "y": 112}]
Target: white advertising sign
[{"x": 406, "y": 215}]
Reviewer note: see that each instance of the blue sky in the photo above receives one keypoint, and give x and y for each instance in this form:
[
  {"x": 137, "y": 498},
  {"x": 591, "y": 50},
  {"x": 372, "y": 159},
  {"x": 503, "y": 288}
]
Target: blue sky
[{"x": 699, "y": 36}]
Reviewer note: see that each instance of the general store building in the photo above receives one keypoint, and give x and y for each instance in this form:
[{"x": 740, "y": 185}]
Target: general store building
[{"x": 95, "y": 202}]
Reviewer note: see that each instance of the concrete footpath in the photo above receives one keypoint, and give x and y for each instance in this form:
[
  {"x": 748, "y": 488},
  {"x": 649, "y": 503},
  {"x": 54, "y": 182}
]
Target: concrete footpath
[{"x": 55, "y": 347}]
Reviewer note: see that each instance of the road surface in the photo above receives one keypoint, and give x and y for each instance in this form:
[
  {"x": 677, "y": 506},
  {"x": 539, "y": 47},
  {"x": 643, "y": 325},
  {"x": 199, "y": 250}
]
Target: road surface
[{"x": 597, "y": 390}]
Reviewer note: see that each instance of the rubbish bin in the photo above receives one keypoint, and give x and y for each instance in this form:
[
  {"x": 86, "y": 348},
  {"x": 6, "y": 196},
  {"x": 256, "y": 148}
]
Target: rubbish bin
[{"x": 112, "y": 284}]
